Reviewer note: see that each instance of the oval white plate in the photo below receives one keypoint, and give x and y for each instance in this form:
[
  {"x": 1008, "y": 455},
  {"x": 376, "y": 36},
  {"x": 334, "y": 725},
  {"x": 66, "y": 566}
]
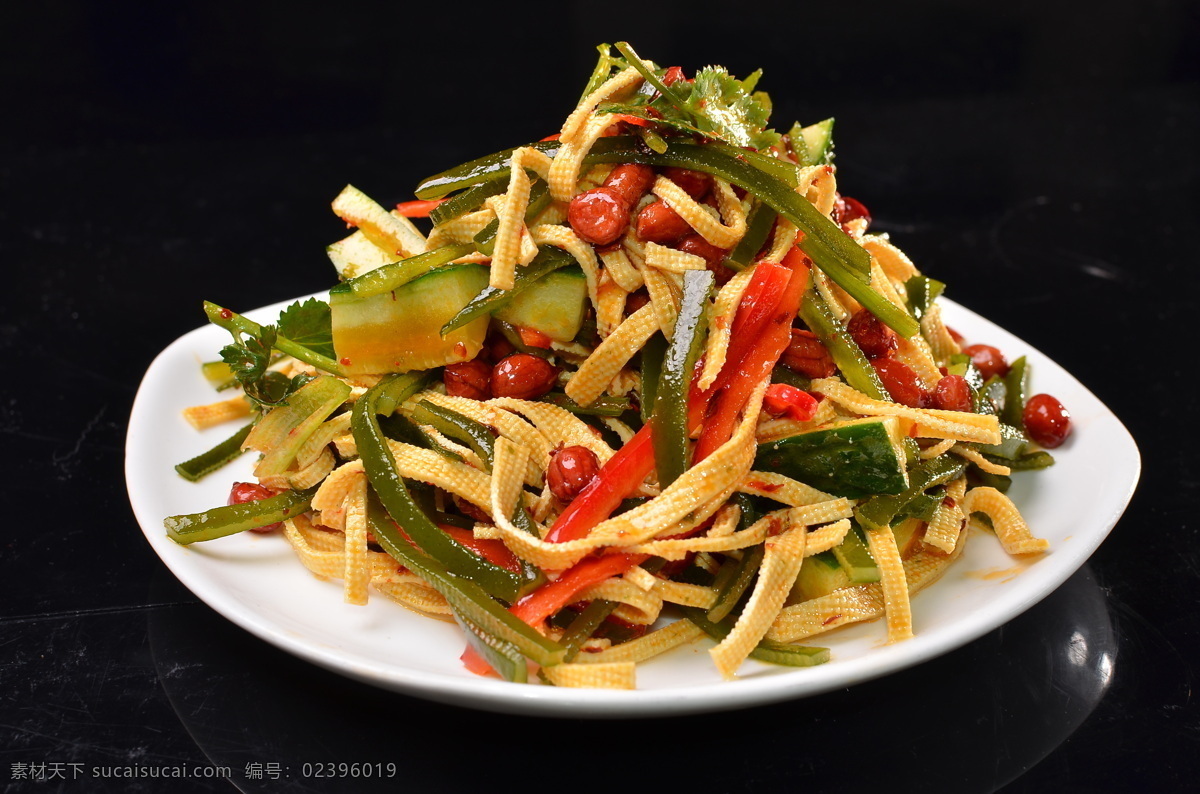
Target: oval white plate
[{"x": 256, "y": 581}]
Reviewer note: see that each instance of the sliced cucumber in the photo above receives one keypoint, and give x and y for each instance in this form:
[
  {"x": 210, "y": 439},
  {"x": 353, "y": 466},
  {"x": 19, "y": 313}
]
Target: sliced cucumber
[
  {"x": 855, "y": 557},
  {"x": 908, "y": 534},
  {"x": 854, "y": 459},
  {"x": 554, "y": 304},
  {"x": 398, "y": 331},
  {"x": 818, "y": 143},
  {"x": 820, "y": 575}
]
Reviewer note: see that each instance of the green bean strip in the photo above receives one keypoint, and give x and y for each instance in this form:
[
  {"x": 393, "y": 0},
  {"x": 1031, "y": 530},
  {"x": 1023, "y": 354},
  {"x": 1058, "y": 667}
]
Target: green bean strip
[
  {"x": 227, "y": 520},
  {"x": 501, "y": 655},
  {"x": 766, "y": 650},
  {"x": 474, "y": 434},
  {"x": 653, "y": 353},
  {"x": 389, "y": 485},
  {"x": 758, "y": 228},
  {"x": 400, "y": 389},
  {"x": 922, "y": 291},
  {"x": 467, "y": 201},
  {"x": 879, "y": 511},
  {"x": 539, "y": 199},
  {"x": 232, "y": 321},
  {"x": 1016, "y": 384},
  {"x": 465, "y": 595},
  {"x": 397, "y": 274},
  {"x": 1030, "y": 461},
  {"x": 735, "y": 575},
  {"x": 785, "y": 375},
  {"x": 513, "y": 336},
  {"x": 645, "y": 71},
  {"x": 670, "y": 436},
  {"x": 399, "y": 427},
  {"x": 848, "y": 356},
  {"x": 605, "y": 405},
  {"x": 585, "y": 624},
  {"x": 476, "y": 172},
  {"x": 491, "y": 299},
  {"x": 208, "y": 462}
]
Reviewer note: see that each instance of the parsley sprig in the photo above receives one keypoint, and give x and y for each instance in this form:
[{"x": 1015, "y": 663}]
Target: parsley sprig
[
  {"x": 305, "y": 331},
  {"x": 715, "y": 104}
]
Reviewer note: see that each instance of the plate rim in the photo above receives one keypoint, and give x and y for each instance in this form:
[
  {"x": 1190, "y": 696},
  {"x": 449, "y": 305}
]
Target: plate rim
[{"x": 500, "y": 696}]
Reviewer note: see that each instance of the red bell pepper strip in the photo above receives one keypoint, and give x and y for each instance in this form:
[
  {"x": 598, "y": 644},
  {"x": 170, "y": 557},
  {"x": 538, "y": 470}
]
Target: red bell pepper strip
[
  {"x": 636, "y": 121},
  {"x": 417, "y": 209},
  {"x": 553, "y": 596},
  {"x": 730, "y": 401},
  {"x": 491, "y": 550},
  {"x": 784, "y": 400},
  {"x": 535, "y": 607},
  {"x": 532, "y": 337},
  {"x": 617, "y": 479}
]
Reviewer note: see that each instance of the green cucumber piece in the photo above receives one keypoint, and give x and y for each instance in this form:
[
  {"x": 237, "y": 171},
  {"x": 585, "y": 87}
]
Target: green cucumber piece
[
  {"x": 397, "y": 331},
  {"x": 1012, "y": 445},
  {"x": 855, "y": 459},
  {"x": 855, "y": 558},
  {"x": 491, "y": 299},
  {"x": 820, "y": 575},
  {"x": 813, "y": 145},
  {"x": 554, "y": 304},
  {"x": 881, "y": 510}
]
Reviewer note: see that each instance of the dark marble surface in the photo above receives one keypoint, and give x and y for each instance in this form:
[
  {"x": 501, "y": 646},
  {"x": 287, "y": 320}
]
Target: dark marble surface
[{"x": 1040, "y": 160}]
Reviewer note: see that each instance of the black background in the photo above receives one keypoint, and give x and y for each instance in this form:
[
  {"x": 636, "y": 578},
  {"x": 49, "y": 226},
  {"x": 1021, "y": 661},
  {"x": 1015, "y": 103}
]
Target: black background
[{"x": 1038, "y": 156}]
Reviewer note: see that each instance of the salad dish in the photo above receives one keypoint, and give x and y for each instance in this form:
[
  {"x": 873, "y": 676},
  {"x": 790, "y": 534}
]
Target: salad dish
[{"x": 642, "y": 405}]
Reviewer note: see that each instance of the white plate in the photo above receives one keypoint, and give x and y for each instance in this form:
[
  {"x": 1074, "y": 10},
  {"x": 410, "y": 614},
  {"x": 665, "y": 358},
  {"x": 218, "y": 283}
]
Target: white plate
[{"x": 257, "y": 582}]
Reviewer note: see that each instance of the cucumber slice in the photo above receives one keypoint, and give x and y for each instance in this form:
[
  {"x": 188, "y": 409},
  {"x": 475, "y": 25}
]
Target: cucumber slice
[
  {"x": 398, "y": 331},
  {"x": 908, "y": 534},
  {"x": 854, "y": 459},
  {"x": 855, "y": 557},
  {"x": 818, "y": 143},
  {"x": 820, "y": 575},
  {"x": 554, "y": 304}
]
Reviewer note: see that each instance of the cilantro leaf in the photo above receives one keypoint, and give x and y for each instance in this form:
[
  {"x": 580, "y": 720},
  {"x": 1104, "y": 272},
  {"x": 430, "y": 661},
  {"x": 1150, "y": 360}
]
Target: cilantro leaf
[
  {"x": 715, "y": 105},
  {"x": 248, "y": 358},
  {"x": 723, "y": 106},
  {"x": 308, "y": 324}
]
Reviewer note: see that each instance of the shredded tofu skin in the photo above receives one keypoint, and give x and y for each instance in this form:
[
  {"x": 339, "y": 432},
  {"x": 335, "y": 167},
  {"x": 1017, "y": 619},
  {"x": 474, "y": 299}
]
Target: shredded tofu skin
[{"x": 612, "y": 436}]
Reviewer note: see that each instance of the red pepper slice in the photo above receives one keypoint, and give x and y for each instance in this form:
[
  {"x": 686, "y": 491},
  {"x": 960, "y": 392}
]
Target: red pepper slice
[
  {"x": 636, "y": 121},
  {"x": 757, "y": 304},
  {"x": 553, "y": 596},
  {"x": 491, "y": 550},
  {"x": 784, "y": 400},
  {"x": 618, "y": 478},
  {"x": 417, "y": 209},
  {"x": 532, "y": 337},
  {"x": 730, "y": 401}
]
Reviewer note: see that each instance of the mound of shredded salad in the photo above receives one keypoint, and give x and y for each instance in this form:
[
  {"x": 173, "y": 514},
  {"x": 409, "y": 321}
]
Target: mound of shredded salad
[{"x": 649, "y": 381}]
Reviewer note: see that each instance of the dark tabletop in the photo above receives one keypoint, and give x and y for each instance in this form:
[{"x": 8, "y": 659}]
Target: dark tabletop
[{"x": 1039, "y": 157}]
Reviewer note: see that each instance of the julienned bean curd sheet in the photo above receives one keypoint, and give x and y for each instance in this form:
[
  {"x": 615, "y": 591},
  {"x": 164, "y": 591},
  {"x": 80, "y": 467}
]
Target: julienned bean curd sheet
[{"x": 648, "y": 382}]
